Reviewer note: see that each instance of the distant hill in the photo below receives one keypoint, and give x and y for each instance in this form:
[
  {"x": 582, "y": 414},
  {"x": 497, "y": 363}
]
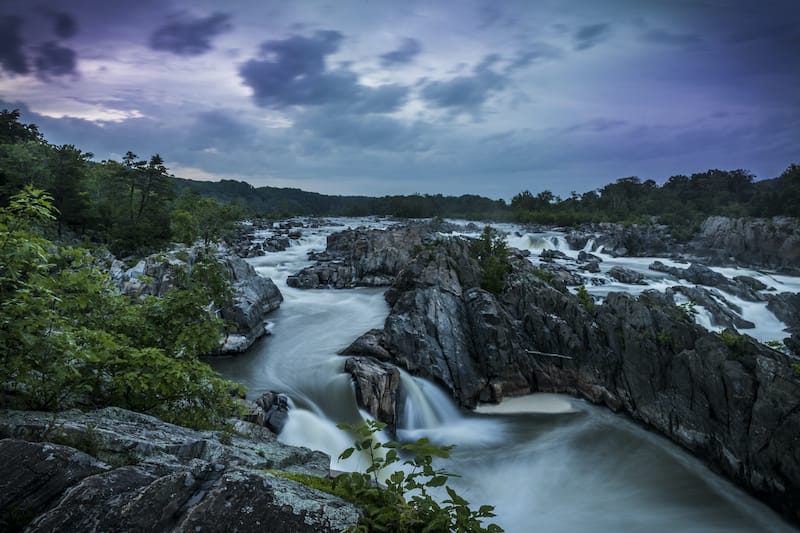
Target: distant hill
[{"x": 283, "y": 201}]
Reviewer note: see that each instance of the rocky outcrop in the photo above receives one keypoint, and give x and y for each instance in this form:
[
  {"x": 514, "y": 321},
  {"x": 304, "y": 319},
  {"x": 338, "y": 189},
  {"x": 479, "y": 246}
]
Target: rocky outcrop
[
  {"x": 270, "y": 410},
  {"x": 769, "y": 243},
  {"x": 141, "y": 474},
  {"x": 636, "y": 240},
  {"x": 254, "y": 296},
  {"x": 725, "y": 397},
  {"x": 626, "y": 275},
  {"x": 744, "y": 287},
  {"x": 376, "y": 385},
  {"x": 366, "y": 257}
]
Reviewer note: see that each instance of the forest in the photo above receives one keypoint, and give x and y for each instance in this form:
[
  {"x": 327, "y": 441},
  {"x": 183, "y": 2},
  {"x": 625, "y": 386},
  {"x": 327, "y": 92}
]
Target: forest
[{"x": 136, "y": 206}]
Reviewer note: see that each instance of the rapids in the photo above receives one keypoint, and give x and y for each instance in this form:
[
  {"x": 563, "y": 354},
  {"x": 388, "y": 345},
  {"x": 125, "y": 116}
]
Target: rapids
[{"x": 548, "y": 463}]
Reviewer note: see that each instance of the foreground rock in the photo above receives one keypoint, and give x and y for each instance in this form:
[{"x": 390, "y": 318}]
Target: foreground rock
[
  {"x": 142, "y": 474},
  {"x": 728, "y": 399},
  {"x": 254, "y": 296}
]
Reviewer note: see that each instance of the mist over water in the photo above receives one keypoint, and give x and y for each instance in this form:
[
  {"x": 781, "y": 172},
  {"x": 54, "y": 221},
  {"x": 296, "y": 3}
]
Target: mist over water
[{"x": 548, "y": 463}]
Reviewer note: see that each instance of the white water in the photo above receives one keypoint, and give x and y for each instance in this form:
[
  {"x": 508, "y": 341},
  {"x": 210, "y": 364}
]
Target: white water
[{"x": 547, "y": 462}]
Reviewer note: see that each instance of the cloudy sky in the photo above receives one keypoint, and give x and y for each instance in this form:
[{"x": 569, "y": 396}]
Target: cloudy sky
[{"x": 383, "y": 97}]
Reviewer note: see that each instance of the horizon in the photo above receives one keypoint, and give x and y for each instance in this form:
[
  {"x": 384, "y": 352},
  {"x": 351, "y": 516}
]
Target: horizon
[{"x": 376, "y": 99}]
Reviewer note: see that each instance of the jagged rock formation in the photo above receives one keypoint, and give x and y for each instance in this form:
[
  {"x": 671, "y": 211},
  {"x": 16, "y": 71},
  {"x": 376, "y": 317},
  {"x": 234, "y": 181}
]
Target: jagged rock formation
[
  {"x": 726, "y": 398},
  {"x": 254, "y": 296},
  {"x": 367, "y": 257},
  {"x": 636, "y": 240},
  {"x": 137, "y": 473},
  {"x": 376, "y": 386},
  {"x": 770, "y": 243}
]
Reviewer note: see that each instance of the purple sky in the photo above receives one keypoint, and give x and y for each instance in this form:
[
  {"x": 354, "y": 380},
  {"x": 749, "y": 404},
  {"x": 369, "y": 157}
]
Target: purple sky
[{"x": 384, "y": 97}]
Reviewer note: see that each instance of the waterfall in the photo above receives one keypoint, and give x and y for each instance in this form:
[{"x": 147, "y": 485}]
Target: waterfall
[{"x": 427, "y": 411}]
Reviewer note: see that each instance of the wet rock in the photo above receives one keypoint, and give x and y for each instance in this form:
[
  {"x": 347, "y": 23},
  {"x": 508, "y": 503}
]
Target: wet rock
[
  {"x": 275, "y": 407},
  {"x": 741, "y": 286},
  {"x": 786, "y": 307},
  {"x": 584, "y": 257},
  {"x": 626, "y": 275},
  {"x": 591, "y": 266},
  {"x": 376, "y": 385},
  {"x": 723, "y": 313},
  {"x": 551, "y": 255}
]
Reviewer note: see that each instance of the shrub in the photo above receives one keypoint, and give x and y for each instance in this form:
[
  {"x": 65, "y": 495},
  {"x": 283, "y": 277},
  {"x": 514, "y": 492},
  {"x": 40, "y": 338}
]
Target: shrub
[
  {"x": 585, "y": 299},
  {"x": 492, "y": 253},
  {"x": 403, "y": 502}
]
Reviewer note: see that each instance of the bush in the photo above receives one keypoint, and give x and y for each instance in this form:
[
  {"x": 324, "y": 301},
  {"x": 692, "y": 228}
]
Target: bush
[
  {"x": 403, "y": 502},
  {"x": 492, "y": 253},
  {"x": 585, "y": 299},
  {"x": 67, "y": 339}
]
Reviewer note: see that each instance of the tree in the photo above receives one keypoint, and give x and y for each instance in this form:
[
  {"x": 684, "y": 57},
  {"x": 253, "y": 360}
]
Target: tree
[{"x": 206, "y": 219}]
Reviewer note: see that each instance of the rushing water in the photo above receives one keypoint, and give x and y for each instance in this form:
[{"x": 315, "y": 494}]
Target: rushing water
[{"x": 548, "y": 463}]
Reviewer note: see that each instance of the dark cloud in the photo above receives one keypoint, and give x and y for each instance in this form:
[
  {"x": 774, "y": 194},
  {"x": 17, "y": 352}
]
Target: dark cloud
[
  {"x": 12, "y": 58},
  {"x": 531, "y": 54},
  {"x": 189, "y": 36},
  {"x": 661, "y": 36},
  {"x": 374, "y": 132},
  {"x": 52, "y": 59},
  {"x": 596, "y": 125},
  {"x": 293, "y": 71},
  {"x": 406, "y": 53},
  {"x": 591, "y": 35},
  {"x": 466, "y": 93},
  {"x": 219, "y": 129},
  {"x": 64, "y": 25}
]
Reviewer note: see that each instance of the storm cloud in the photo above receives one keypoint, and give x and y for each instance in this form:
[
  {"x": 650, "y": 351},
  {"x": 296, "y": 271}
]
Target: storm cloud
[
  {"x": 466, "y": 93},
  {"x": 408, "y": 50},
  {"x": 52, "y": 59},
  {"x": 293, "y": 72},
  {"x": 591, "y": 35},
  {"x": 12, "y": 57},
  {"x": 189, "y": 36}
]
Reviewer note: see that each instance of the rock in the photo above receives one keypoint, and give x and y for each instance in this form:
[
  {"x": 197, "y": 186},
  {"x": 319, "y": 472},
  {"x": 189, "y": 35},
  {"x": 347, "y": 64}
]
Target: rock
[
  {"x": 254, "y": 296},
  {"x": 741, "y": 286},
  {"x": 368, "y": 344},
  {"x": 786, "y": 307},
  {"x": 626, "y": 275},
  {"x": 769, "y": 243},
  {"x": 636, "y": 240},
  {"x": 275, "y": 407},
  {"x": 180, "y": 479},
  {"x": 33, "y": 476},
  {"x": 376, "y": 385},
  {"x": 591, "y": 266},
  {"x": 363, "y": 257},
  {"x": 551, "y": 255},
  {"x": 726, "y": 398},
  {"x": 723, "y": 313},
  {"x": 584, "y": 257}
]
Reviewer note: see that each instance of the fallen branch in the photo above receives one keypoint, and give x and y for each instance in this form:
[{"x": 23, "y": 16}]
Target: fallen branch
[{"x": 545, "y": 354}]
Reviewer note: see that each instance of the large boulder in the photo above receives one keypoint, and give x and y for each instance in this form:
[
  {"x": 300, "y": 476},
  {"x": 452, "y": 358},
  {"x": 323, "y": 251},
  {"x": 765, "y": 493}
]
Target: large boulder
[
  {"x": 157, "y": 477},
  {"x": 762, "y": 242},
  {"x": 376, "y": 385},
  {"x": 254, "y": 296}
]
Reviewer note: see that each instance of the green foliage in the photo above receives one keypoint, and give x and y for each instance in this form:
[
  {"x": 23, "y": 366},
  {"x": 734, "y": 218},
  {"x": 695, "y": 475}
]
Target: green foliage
[
  {"x": 734, "y": 341},
  {"x": 664, "y": 338},
  {"x": 401, "y": 501},
  {"x": 796, "y": 369},
  {"x": 543, "y": 274},
  {"x": 194, "y": 217},
  {"x": 67, "y": 339},
  {"x": 688, "y": 310},
  {"x": 585, "y": 299},
  {"x": 492, "y": 252}
]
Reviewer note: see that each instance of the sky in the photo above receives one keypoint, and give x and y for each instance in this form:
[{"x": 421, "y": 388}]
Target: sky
[{"x": 403, "y": 96}]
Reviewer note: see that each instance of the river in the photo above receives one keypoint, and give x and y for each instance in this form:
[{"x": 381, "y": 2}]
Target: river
[{"x": 548, "y": 463}]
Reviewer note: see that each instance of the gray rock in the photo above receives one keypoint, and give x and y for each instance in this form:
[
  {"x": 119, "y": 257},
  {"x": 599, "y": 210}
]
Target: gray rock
[
  {"x": 626, "y": 275},
  {"x": 376, "y": 385},
  {"x": 275, "y": 407},
  {"x": 33, "y": 476},
  {"x": 770, "y": 243},
  {"x": 180, "y": 479}
]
